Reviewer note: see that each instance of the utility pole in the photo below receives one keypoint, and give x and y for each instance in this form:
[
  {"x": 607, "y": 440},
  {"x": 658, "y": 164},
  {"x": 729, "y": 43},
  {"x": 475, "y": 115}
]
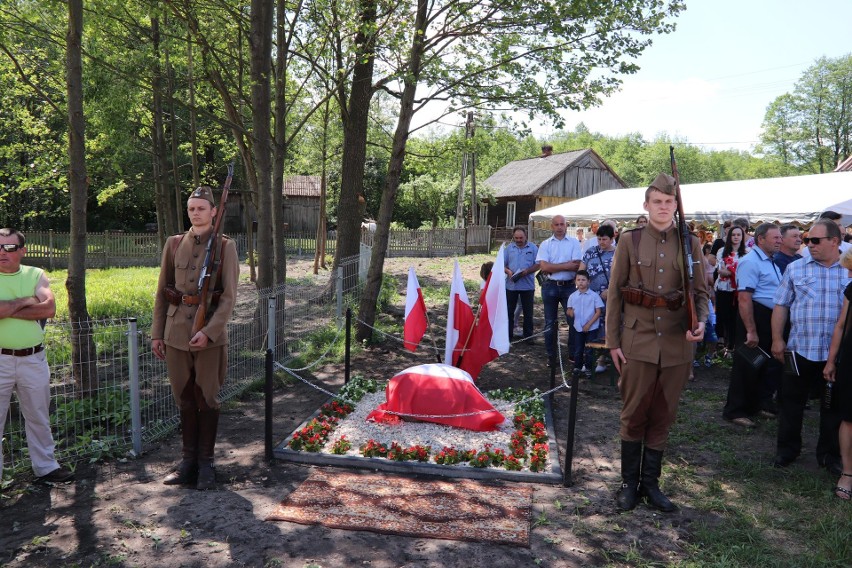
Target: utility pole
[{"x": 468, "y": 134}]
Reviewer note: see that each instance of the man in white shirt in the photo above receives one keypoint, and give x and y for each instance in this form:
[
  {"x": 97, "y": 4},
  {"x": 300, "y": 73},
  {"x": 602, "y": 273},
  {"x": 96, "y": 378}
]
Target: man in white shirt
[{"x": 559, "y": 256}]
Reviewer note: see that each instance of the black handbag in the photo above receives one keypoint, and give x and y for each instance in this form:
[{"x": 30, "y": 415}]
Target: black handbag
[
  {"x": 754, "y": 357},
  {"x": 542, "y": 277}
]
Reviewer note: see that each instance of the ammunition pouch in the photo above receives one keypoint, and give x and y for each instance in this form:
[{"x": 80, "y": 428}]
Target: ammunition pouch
[
  {"x": 175, "y": 297},
  {"x": 641, "y": 297}
]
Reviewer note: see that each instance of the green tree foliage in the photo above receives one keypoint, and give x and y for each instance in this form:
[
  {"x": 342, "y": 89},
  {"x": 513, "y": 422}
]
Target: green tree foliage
[{"x": 810, "y": 129}]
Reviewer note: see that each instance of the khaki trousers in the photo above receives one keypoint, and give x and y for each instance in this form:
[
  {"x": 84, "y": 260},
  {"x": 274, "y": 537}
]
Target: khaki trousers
[
  {"x": 207, "y": 368},
  {"x": 650, "y": 397}
]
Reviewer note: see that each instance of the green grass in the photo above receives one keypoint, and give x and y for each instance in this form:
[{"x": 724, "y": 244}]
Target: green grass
[
  {"x": 752, "y": 513},
  {"x": 112, "y": 292}
]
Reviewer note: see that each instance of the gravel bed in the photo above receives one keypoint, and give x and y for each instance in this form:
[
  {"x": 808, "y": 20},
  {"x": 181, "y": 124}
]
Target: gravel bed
[{"x": 358, "y": 431}]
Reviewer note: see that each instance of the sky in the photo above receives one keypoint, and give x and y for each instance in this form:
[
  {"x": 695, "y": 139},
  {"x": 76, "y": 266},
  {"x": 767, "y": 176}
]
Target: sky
[{"x": 710, "y": 81}]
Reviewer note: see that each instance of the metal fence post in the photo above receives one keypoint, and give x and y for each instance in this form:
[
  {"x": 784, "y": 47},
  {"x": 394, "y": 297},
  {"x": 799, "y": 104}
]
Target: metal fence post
[
  {"x": 339, "y": 292},
  {"x": 271, "y": 340},
  {"x": 135, "y": 406},
  {"x": 267, "y": 406},
  {"x": 347, "y": 365}
]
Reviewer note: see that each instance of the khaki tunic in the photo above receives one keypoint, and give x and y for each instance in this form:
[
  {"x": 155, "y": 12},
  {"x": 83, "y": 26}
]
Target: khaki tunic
[
  {"x": 653, "y": 335},
  {"x": 652, "y": 339},
  {"x": 173, "y": 324}
]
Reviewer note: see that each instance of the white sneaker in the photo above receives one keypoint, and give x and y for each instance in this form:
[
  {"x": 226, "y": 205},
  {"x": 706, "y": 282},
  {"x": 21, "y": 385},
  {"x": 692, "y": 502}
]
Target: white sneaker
[{"x": 600, "y": 369}]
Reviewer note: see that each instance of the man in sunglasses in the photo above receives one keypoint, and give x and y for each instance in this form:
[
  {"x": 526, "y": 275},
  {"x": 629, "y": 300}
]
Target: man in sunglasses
[
  {"x": 810, "y": 295},
  {"x": 25, "y": 298},
  {"x": 837, "y": 219}
]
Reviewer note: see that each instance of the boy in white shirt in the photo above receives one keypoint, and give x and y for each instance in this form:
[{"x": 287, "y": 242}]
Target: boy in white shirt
[{"x": 585, "y": 307}]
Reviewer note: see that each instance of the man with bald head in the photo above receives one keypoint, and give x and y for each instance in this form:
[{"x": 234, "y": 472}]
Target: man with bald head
[{"x": 559, "y": 257}]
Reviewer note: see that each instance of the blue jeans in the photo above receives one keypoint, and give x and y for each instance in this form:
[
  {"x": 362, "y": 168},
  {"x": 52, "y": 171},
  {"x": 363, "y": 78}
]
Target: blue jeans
[
  {"x": 527, "y": 297},
  {"x": 552, "y": 296}
]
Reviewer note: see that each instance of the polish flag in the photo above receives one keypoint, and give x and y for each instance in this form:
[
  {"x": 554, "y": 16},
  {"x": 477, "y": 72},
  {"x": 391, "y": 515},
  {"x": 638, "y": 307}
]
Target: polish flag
[
  {"x": 415, "y": 313},
  {"x": 459, "y": 318},
  {"x": 490, "y": 337}
]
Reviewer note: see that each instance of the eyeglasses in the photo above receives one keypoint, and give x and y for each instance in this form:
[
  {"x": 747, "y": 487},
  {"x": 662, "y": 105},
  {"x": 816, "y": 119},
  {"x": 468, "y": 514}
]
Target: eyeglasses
[
  {"x": 814, "y": 240},
  {"x": 9, "y": 247}
]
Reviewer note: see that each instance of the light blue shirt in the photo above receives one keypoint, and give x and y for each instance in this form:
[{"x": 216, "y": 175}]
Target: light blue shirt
[
  {"x": 556, "y": 251},
  {"x": 814, "y": 295},
  {"x": 757, "y": 273},
  {"x": 520, "y": 258},
  {"x": 585, "y": 304}
]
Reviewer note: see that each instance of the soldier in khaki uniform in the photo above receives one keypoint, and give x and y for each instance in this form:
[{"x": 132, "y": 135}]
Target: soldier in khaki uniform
[
  {"x": 196, "y": 363},
  {"x": 649, "y": 340}
]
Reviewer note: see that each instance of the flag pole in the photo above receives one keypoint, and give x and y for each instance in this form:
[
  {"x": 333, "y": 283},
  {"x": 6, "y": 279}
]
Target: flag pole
[
  {"x": 469, "y": 335},
  {"x": 432, "y": 337}
]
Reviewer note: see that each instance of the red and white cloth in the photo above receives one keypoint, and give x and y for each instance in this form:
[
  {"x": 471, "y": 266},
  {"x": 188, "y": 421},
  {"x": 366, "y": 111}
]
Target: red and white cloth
[
  {"x": 459, "y": 318},
  {"x": 490, "y": 336},
  {"x": 415, "y": 313},
  {"x": 427, "y": 390}
]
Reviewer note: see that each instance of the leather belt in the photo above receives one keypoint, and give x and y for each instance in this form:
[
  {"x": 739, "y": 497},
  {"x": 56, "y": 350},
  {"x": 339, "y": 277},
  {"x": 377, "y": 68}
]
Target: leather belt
[
  {"x": 658, "y": 302},
  {"x": 190, "y": 300},
  {"x": 23, "y": 352},
  {"x": 562, "y": 282}
]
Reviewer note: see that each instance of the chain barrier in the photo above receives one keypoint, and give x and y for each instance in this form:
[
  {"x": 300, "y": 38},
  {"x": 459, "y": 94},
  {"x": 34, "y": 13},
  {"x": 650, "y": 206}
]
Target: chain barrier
[
  {"x": 331, "y": 345},
  {"x": 401, "y": 340},
  {"x": 500, "y": 408}
]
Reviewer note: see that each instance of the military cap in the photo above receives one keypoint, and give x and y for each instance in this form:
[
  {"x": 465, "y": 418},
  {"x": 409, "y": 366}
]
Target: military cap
[
  {"x": 204, "y": 192},
  {"x": 664, "y": 183}
]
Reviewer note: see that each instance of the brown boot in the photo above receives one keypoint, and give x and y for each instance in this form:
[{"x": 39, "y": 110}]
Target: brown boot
[
  {"x": 186, "y": 472},
  {"x": 208, "y": 422}
]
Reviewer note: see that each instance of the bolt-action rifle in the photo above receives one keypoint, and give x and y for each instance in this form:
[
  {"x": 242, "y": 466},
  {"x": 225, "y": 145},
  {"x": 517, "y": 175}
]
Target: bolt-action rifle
[
  {"x": 686, "y": 251},
  {"x": 212, "y": 261}
]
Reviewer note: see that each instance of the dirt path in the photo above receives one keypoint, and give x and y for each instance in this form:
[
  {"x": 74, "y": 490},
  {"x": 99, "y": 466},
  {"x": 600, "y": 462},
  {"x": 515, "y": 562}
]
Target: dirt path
[{"x": 119, "y": 514}]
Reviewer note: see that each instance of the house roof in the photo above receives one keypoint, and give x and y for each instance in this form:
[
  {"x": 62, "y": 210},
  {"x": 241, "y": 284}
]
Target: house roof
[
  {"x": 526, "y": 177},
  {"x": 302, "y": 186}
]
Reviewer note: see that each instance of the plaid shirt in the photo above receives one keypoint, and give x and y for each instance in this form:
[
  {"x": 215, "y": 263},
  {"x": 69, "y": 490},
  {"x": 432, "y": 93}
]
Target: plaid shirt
[{"x": 814, "y": 295}]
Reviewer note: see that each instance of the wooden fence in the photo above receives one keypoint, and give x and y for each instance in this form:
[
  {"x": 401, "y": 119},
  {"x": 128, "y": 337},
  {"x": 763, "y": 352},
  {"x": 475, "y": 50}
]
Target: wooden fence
[
  {"x": 435, "y": 242},
  {"x": 114, "y": 249}
]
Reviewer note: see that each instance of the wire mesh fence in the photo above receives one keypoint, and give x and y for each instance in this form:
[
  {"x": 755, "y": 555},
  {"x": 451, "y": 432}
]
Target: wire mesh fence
[{"x": 118, "y": 398}]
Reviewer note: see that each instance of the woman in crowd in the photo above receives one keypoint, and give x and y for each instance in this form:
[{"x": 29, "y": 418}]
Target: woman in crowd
[
  {"x": 597, "y": 261},
  {"x": 838, "y": 370},
  {"x": 726, "y": 286},
  {"x": 641, "y": 221}
]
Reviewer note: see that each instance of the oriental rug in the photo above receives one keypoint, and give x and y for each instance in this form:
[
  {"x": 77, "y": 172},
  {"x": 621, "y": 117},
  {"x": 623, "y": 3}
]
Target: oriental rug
[{"x": 461, "y": 509}]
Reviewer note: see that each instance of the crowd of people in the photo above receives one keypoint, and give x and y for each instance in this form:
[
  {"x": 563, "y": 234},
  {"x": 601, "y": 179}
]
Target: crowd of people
[{"x": 771, "y": 298}]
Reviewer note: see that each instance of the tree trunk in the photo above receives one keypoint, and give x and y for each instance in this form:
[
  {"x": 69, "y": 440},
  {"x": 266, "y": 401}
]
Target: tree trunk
[
  {"x": 355, "y": 123},
  {"x": 261, "y": 60},
  {"x": 370, "y": 295},
  {"x": 83, "y": 353},
  {"x": 173, "y": 137},
  {"x": 280, "y": 146},
  {"x": 164, "y": 197},
  {"x": 322, "y": 229},
  {"x": 193, "y": 129}
]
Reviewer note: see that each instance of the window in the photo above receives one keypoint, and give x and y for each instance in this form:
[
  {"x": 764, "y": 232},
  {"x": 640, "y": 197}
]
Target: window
[{"x": 511, "y": 208}]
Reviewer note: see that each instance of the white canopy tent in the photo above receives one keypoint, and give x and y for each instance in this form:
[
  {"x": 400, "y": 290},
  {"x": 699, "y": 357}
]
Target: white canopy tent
[{"x": 787, "y": 199}]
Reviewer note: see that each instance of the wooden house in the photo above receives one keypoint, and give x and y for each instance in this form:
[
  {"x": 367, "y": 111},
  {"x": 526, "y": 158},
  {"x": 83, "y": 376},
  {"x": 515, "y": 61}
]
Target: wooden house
[
  {"x": 524, "y": 186},
  {"x": 302, "y": 203}
]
